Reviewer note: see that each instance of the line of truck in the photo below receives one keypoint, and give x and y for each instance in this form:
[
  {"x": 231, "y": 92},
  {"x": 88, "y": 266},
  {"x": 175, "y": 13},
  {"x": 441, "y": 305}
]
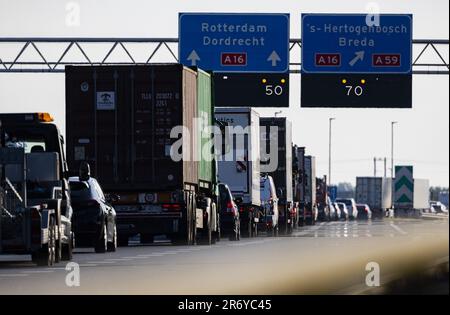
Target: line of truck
[
  {"x": 162, "y": 153},
  {"x": 159, "y": 147}
]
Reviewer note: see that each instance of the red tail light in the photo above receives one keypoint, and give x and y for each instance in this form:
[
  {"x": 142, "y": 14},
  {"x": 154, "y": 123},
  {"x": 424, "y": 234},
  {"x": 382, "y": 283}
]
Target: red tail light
[
  {"x": 231, "y": 208},
  {"x": 241, "y": 209},
  {"x": 171, "y": 206}
]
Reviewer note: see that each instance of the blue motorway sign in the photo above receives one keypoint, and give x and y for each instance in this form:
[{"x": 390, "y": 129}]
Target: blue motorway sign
[
  {"x": 235, "y": 42},
  {"x": 332, "y": 193},
  {"x": 352, "y": 43}
]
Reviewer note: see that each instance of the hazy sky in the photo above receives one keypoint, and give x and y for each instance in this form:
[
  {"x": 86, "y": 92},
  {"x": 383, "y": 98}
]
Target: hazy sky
[{"x": 422, "y": 135}]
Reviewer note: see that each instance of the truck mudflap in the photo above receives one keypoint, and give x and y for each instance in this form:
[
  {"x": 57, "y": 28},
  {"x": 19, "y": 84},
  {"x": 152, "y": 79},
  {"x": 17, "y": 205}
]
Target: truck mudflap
[
  {"x": 250, "y": 216},
  {"x": 45, "y": 223},
  {"x": 199, "y": 218}
]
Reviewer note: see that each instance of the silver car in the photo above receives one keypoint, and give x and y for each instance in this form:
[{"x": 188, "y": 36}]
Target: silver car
[{"x": 351, "y": 206}]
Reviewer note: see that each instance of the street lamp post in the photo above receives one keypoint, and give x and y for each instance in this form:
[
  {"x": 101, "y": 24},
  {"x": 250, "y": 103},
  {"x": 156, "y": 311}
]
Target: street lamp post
[
  {"x": 329, "y": 151},
  {"x": 393, "y": 123}
]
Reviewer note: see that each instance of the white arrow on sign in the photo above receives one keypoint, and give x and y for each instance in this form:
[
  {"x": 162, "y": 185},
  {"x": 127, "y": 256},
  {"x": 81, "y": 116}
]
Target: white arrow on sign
[
  {"x": 193, "y": 58},
  {"x": 274, "y": 58},
  {"x": 359, "y": 56}
]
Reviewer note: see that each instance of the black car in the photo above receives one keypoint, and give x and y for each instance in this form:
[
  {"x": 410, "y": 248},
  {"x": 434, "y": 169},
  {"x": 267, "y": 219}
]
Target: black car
[
  {"x": 229, "y": 214},
  {"x": 94, "y": 219},
  {"x": 364, "y": 212}
]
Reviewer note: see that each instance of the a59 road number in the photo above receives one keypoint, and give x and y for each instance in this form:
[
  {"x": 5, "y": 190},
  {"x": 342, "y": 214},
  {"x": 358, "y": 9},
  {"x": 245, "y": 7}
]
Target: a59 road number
[{"x": 354, "y": 90}]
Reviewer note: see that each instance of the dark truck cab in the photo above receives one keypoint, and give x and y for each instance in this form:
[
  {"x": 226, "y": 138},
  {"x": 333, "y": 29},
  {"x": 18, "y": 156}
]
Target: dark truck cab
[
  {"x": 35, "y": 211},
  {"x": 276, "y": 134}
]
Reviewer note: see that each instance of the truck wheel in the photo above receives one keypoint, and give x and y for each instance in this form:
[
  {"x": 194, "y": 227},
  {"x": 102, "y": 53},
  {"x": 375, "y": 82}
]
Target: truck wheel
[
  {"x": 193, "y": 231},
  {"x": 188, "y": 237},
  {"x": 235, "y": 233},
  {"x": 67, "y": 249},
  {"x": 101, "y": 243},
  {"x": 289, "y": 228},
  {"x": 112, "y": 246},
  {"x": 209, "y": 235},
  {"x": 46, "y": 255},
  {"x": 238, "y": 230},
  {"x": 122, "y": 241},
  {"x": 146, "y": 238},
  {"x": 215, "y": 228},
  {"x": 250, "y": 225},
  {"x": 255, "y": 227},
  {"x": 218, "y": 233},
  {"x": 58, "y": 245}
]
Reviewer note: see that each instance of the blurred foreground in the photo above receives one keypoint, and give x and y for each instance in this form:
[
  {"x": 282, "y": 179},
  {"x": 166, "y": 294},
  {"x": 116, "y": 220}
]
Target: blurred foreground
[{"x": 329, "y": 258}]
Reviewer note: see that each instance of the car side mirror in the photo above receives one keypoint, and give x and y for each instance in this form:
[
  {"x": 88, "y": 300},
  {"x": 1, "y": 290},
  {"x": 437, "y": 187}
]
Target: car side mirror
[{"x": 85, "y": 172}]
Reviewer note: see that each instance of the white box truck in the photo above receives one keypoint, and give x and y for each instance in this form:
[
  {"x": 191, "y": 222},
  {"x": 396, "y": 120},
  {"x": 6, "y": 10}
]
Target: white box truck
[
  {"x": 421, "y": 200},
  {"x": 239, "y": 162},
  {"x": 421, "y": 194}
]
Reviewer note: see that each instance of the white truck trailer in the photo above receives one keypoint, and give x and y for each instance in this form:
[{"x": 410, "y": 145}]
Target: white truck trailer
[{"x": 239, "y": 162}]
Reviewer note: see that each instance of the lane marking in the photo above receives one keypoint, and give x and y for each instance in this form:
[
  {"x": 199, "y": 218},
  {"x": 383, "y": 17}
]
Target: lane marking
[
  {"x": 310, "y": 230},
  {"x": 129, "y": 257},
  {"x": 100, "y": 262},
  {"x": 38, "y": 271},
  {"x": 12, "y": 275},
  {"x": 149, "y": 255},
  {"x": 398, "y": 229}
]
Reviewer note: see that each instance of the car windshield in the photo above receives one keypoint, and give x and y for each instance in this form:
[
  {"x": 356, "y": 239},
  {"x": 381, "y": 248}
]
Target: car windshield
[
  {"x": 80, "y": 191},
  {"x": 224, "y": 194},
  {"x": 361, "y": 208},
  {"x": 265, "y": 189},
  {"x": 347, "y": 202}
]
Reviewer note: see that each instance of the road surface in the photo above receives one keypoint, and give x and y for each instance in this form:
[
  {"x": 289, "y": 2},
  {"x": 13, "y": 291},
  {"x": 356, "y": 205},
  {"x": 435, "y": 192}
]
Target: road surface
[{"x": 326, "y": 258}]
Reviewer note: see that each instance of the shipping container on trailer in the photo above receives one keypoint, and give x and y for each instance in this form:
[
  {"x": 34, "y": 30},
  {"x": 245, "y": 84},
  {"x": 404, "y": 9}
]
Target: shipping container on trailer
[
  {"x": 322, "y": 198},
  {"x": 207, "y": 167},
  {"x": 310, "y": 213},
  {"x": 119, "y": 119},
  {"x": 239, "y": 168},
  {"x": 375, "y": 192},
  {"x": 298, "y": 180},
  {"x": 276, "y": 132}
]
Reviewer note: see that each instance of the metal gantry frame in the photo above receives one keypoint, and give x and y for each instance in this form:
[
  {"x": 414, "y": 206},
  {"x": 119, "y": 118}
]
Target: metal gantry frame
[{"x": 41, "y": 62}]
